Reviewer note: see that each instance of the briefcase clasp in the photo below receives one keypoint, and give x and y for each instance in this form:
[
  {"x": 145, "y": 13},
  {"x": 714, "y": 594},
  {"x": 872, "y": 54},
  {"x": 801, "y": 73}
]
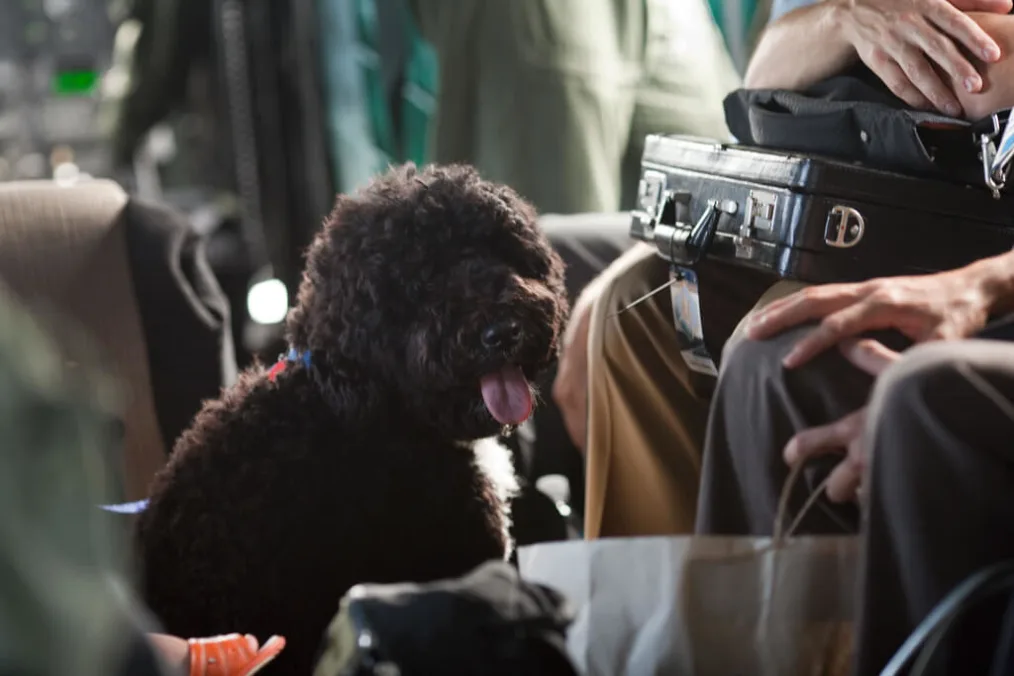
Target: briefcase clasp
[{"x": 759, "y": 214}]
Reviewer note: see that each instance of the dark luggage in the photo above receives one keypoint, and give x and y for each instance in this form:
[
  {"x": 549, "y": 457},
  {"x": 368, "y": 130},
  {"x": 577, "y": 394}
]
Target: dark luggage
[
  {"x": 489, "y": 622},
  {"x": 809, "y": 218},
  {"x": 854, "y": 117}
]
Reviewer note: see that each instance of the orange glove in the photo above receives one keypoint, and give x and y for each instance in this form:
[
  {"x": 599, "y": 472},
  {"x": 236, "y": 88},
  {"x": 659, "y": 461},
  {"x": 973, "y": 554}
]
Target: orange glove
[{"x": 231, "y": 655}]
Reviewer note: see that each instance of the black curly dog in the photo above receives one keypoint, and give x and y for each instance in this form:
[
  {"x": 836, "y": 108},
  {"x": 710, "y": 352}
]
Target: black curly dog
[{"x": 429, "y": 303}]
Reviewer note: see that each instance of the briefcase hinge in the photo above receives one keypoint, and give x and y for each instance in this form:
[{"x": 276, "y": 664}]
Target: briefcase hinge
[
  {"x": 758, "y": 215},
  {"x": 844, "y": 228}
]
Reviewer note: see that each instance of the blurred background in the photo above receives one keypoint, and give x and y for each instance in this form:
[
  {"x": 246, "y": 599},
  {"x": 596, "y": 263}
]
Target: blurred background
[
  {"x": 246, "y": 116},
  {"x": 234, "y": 113}
]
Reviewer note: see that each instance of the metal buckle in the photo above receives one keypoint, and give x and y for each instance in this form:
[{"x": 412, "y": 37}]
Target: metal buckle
[
  {"x": 996, "y": 159},
  {"x": 1000, "y": 167},
  {"x": 844, "y": 228}
]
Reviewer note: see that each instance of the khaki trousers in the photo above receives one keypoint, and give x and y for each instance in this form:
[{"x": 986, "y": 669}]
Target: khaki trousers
[{"x": 647, "y": 412}]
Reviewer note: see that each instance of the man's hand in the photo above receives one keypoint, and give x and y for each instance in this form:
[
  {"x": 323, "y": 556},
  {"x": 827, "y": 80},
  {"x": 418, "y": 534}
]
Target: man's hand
[
  {"x": 905, "y": 42},
  {"x": 943, "y": 306},
  {"x": 845, "y": 435}
]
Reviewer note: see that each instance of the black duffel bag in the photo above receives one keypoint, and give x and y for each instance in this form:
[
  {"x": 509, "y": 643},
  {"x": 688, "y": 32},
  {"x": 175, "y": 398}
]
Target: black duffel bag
[
  {"x": 854, "y": 117},
  {"x": 487, "y": 623}
]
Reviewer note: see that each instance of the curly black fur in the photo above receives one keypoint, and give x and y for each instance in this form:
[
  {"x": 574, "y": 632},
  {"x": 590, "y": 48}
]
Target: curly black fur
[{"x": 283, "y": 494}]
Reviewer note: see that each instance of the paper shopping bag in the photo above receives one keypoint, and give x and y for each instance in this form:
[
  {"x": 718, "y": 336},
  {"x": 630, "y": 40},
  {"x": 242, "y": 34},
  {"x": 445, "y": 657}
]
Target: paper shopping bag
[{"x": 705, "y": 606}]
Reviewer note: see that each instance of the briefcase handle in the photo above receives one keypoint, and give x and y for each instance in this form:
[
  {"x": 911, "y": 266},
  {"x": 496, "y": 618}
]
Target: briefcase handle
[{"x": 679, "y": 242}]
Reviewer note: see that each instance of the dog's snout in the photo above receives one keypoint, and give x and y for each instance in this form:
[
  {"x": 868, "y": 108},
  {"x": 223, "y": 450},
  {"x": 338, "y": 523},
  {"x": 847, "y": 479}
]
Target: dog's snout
[{"x": 504, "y": 335}]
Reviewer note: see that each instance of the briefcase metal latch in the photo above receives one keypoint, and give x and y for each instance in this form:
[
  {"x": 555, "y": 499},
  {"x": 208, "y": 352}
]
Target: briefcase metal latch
[
  {"x": 845, "y": 227},
  {"x": 684, "y": 243},
  {"x": 650, "y": 193},
  {"x": 759, "y": 214}
]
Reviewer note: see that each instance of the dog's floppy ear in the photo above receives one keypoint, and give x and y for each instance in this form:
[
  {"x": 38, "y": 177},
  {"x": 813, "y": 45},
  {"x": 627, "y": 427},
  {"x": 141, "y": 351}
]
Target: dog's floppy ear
[
  {"x": 337, "y": 307},
  {"x": 332, "y": 323},
  {"x": 339, "y": 314}
]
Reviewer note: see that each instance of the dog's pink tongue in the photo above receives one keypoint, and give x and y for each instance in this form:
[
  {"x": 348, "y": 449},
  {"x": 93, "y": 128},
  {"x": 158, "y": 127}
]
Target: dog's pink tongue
[{"x": 507, "y": 396}]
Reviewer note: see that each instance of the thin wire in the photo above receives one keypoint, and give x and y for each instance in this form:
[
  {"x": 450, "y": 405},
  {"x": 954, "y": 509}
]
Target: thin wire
[{"x": 646, "y": 297}]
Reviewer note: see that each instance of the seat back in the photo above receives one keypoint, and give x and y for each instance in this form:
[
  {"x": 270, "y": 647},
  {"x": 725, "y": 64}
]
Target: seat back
[{"x": 64, "y": 249}]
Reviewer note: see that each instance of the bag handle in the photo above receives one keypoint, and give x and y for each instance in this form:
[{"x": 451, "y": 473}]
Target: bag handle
[
  {"x": 780, "y": 533},
  {"x": 922, "y": 645},
  {"x": 657, "y": 220}
]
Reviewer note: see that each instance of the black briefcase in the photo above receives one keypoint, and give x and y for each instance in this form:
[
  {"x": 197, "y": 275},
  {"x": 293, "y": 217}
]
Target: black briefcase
[
  {"x": 804, "y": 217},
  {"x": 809, "y": 218}
]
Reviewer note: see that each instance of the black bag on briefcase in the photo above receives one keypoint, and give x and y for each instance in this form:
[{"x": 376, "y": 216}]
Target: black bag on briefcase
[{"x": 854, "y": 117}]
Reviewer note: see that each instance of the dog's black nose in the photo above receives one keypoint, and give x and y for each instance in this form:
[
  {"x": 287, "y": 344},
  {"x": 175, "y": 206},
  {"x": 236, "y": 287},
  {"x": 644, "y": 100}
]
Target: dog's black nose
[{"x": 503, "y": 335}]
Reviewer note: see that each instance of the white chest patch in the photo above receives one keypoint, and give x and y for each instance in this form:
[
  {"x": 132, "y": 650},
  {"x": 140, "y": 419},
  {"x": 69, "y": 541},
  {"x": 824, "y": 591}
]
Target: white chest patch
[{"x": 496, "y": 463}]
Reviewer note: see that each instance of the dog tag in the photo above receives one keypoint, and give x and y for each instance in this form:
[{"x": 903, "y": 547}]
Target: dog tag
[{"x": 686, "y": 310}]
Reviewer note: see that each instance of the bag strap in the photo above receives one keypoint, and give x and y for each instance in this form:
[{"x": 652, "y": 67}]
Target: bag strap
[
  {"x": 922, "y": 645},
  {"x": 781, "y": 533}
]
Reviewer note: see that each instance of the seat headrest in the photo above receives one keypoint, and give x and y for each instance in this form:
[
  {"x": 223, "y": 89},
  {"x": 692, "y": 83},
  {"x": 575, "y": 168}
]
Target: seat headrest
[{"x": 64, "y": 249}]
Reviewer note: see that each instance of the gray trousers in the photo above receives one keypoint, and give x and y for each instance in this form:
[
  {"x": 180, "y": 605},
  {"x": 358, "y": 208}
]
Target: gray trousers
[{"x": 940, "y": 430}]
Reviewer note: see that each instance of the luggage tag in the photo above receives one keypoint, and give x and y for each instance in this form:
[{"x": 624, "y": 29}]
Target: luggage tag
[
  {"x": 686, "y": 310},
  {"x": 683, "y": 245}
]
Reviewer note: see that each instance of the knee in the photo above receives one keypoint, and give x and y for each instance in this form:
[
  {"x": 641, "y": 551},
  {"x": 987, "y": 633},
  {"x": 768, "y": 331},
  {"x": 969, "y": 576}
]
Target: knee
[
  {"x": 950, "y": 389},
  {"x": 927, "y": 376},
  {"x": 747, "y": 358},
  {"x": 941, "y": 411}
]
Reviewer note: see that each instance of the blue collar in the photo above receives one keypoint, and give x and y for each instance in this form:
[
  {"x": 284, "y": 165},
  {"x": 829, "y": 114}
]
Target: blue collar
[{"x": 297, "y": 356}]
